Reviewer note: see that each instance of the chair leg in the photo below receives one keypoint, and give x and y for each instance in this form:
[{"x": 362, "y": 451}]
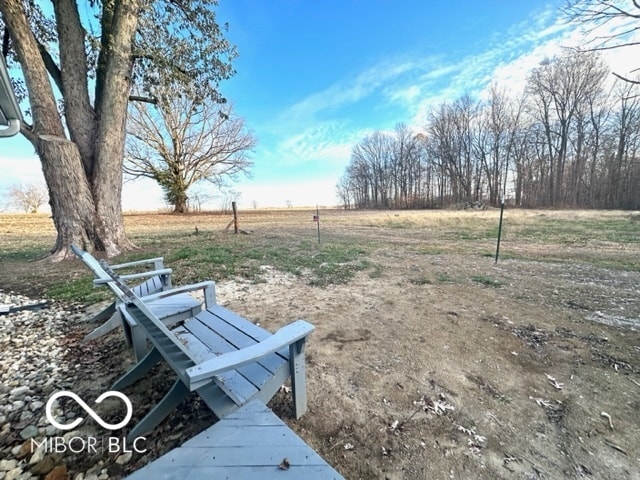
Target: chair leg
[
  {"x": 138, "y": 370},
  {"x": 169, "y": 402},
  {"x": 104, "y": 314},
  {"x": 103, "y": 329},
  {"x": 298, "y": 377},
  {"x": 139, "y": 342}
]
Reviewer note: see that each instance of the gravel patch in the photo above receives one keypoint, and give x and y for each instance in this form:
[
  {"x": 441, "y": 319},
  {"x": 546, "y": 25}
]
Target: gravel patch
[{"x": 43, "y": 353}]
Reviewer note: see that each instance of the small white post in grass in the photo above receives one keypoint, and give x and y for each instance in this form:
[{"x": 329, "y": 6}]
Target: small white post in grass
[{"x": 500, "y": 227}]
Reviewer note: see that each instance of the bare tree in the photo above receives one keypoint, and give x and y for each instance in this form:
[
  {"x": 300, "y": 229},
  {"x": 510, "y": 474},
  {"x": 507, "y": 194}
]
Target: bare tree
[
  {"x": 565, "y": 140},
  {"x": 27, "y": 198},
  {"x": 228, "y": 197},
  {"x": 198, "y": 199},
  {"x": 450, "y": 144},
  {"x": 184, "y": 140},
  {"x": 495, "y": 137},
  {"x": 559, "y": 89},
  {"x": 596, "y": 15}
]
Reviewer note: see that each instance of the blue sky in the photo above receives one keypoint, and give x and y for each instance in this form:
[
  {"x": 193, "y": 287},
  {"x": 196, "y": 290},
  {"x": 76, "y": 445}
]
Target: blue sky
[{"x": 314, "y": 77}]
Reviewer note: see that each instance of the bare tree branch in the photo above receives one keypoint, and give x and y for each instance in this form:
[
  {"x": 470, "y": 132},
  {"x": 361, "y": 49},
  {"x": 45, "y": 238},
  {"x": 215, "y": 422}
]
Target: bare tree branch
[
  {"x": 597, "y": 14},
  {"x": 635, "y": 82},
  {"x": 185, "y": 140}
]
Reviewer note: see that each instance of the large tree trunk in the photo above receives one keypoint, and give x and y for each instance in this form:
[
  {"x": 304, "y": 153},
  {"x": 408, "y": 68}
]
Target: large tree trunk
[
  {"x": 69, "y": 193},
  {"x": 111, "y": 107},
  {"x": 84, "y": 174},
  {"x": 71, "y": 205},
  {"x": 181, "y": 203}
]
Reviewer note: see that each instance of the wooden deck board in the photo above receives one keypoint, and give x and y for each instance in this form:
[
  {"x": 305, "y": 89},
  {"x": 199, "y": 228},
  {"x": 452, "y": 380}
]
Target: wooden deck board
[{"x": 250, "y": 443}]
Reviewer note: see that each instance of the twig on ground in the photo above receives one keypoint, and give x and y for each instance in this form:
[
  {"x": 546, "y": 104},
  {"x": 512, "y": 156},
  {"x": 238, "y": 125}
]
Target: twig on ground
[
  {"x": 557, "y": 385},
  {"x": 340, "y": 440},
  {"x": 495, "y": 419},
  {"x": 608, "y": 417},
  {"x": 614, "y": 446}
]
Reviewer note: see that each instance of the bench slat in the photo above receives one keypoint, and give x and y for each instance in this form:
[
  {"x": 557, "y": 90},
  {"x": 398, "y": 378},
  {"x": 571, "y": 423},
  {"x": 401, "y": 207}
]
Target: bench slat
[
  {"x": 255, "y": 373},
  {"x": 256, "y": 332},
  {"x": 251, "y": 329},
  {"x": 232, "y": 383},
  {"x": 240, "y": 338},
  {"x": 149, "y": 286}
]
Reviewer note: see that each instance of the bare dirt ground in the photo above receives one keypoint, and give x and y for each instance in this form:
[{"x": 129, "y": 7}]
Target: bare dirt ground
[{"x": 441, "y": 364}]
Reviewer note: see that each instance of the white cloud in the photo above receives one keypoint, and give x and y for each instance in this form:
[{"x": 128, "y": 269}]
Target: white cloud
[
  {"x": 347, "y": 91},
  {"x": 328, "y": 142}
]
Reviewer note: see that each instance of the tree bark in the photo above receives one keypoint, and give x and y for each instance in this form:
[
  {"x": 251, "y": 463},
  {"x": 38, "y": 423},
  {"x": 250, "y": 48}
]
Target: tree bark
[
  {"x": 84, "y": 174},
  {"x": 112, "y": 114},
  {"x": 72, "y": 205},
  {"x": 69, "y": 193}
]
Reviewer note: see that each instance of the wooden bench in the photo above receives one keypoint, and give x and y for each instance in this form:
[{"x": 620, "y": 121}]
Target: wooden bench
[
  {"x": 170, "y": 309},
  {"x": 226, "y": 359}
]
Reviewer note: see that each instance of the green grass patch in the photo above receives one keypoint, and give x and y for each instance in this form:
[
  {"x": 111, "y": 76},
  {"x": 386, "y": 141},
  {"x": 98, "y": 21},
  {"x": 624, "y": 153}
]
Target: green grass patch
[
  {"x": 486, "y": 281},
  {"x": 322, "y": 264},
  {"x": 402, "y": 224},
  {"x": 376, "y": 271},
  {"x": 431, "y": 249},
  {"x": 476, "y": 234},
  {"x": 581, "y": 231},
  {"x": 26, "y": 254},
  {"x": 80, "y": 290},
  {"x": 445, "y": 278}
]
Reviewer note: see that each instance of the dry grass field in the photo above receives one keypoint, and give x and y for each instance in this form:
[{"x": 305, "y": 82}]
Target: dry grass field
[{"x": 429, "y": 360}]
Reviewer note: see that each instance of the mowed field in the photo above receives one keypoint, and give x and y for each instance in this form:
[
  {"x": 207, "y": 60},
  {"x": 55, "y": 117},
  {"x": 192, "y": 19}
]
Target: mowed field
[{"x": 429, "y": 359}]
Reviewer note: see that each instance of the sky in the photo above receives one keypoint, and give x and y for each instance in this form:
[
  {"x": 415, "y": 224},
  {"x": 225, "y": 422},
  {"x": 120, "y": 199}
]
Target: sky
[{"x": 315, "y": 77}]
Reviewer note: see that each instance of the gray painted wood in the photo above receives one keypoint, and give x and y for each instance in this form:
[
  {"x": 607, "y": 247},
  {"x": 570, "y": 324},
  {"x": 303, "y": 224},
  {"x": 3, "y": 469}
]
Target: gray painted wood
[
  {"x": 250, "y": 443},
  {"x": 232, "y": 382},
  {"x": 170, "y": 310},
  {"x": 226, "y": 359}
]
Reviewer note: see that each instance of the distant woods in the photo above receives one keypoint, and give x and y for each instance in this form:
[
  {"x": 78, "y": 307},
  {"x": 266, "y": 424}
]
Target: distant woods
[{"x": 570, "y": 139}]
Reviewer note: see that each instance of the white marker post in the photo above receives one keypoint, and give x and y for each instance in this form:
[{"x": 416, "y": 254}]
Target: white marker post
[{"x": 500, "y": 227}]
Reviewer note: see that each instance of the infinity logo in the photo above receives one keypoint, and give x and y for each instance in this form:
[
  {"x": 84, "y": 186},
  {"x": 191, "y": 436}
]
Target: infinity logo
[{"x": 89, "y": 410}]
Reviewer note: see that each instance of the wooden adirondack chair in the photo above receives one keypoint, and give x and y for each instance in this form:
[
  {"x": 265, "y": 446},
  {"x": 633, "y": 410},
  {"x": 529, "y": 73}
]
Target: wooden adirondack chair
[
  {"x": 170, "y": 309},
  {"x": 225, "y": 358}
]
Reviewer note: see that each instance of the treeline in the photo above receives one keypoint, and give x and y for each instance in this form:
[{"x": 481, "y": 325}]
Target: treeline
[{"x": 568, "y": 140}]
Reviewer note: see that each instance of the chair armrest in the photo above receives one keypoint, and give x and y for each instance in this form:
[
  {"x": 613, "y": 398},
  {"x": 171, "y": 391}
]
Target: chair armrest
[
  {"x": 157, "y": 263},
  {"x": 288, "y": 335},
  {"x": 133, "y": 276},
  {"x": 208, "y": 288}
]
